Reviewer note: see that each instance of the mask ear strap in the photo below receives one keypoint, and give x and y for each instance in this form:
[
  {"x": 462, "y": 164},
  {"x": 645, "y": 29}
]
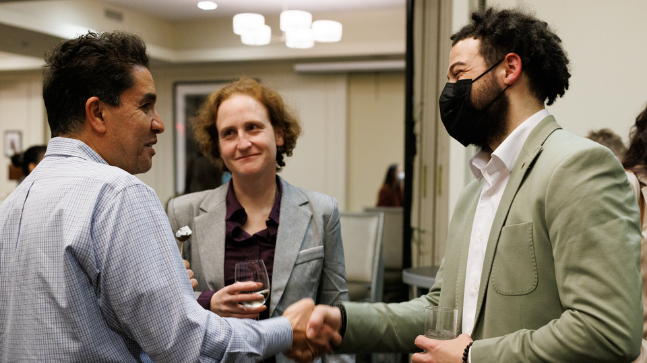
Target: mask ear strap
[{"x": 489, "y": 69}]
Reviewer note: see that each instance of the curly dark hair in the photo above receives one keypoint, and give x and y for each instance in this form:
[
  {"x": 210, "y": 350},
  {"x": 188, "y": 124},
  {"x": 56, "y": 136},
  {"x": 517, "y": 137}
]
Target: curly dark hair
[
  {"x": 283, "y": 120},
  {"x": 636, "y": 154},
  {"x": 505, "y": 31},
  {"x": 92, "y": 65}
]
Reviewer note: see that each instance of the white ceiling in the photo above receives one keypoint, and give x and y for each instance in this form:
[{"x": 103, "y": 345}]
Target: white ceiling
[{"x": 188, "y": 9}]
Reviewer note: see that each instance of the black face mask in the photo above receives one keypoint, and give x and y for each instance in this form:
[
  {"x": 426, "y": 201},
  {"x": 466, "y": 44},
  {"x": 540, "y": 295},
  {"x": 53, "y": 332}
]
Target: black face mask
[{"x": 462, "y": 121}]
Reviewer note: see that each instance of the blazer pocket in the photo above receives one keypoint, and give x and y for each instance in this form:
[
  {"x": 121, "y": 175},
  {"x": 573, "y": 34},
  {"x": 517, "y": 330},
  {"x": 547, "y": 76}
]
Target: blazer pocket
[
  {"x": 514, "y": 270},
  {"x": 310, "y": 254}
]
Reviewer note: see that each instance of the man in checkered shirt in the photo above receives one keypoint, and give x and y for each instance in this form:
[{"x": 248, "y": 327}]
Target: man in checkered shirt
[{"x": 89, "y": 269}]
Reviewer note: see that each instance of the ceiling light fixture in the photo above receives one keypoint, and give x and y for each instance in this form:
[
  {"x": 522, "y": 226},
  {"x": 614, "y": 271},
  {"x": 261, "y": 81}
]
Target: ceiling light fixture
[
  {"x": 207, "y": 5},
  {"x": 292, "y": 20},
  {"x": 247, "y": 22},
  {"x": 326, "y": 31},
  {"x": 299, "y": 30},
  {"x": 258, "y": 36}
]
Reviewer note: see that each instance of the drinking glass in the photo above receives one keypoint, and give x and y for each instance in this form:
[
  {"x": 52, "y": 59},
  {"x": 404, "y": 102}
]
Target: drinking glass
[
  {"x": 441, "y": 322},
  {"x": 254, "y": 271}
]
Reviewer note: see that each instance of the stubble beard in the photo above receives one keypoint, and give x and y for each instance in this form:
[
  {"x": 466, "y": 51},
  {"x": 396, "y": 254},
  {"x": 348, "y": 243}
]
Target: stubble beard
[{"x": 493, "y": 126}]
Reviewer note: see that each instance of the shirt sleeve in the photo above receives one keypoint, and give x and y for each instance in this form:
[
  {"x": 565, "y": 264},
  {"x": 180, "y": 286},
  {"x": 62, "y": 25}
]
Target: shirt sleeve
[
  {"x": 205, "y": 299},
  {"x": 145, "y": 293}
]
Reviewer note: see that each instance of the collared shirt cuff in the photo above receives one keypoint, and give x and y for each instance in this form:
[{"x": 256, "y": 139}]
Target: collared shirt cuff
[
  {"x": 205, "y": 299},
  {"x": 278, "y": 335}
]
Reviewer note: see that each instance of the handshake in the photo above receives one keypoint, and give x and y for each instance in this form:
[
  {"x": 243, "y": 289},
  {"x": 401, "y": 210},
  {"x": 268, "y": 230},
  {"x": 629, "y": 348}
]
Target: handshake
[{"x": 315, "y": 330}]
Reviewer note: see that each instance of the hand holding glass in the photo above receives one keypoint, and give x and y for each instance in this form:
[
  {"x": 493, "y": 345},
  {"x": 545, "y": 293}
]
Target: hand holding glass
[
  {"x": 441, "y": 322},
  {"x": 254, "y": 271}
]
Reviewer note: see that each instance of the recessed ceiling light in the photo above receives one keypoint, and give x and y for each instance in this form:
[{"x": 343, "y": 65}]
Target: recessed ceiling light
[{"x": 207, "y": 5}]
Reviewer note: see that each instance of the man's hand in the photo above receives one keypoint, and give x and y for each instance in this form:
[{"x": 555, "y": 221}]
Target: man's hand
[
  {"x": 325, "y": 318},
  {"x": 194, "y": 282},
  {"x": 226, "y": 301},
  {"x": 441, "y": 351},
  {"x": 305, "y": 349}
]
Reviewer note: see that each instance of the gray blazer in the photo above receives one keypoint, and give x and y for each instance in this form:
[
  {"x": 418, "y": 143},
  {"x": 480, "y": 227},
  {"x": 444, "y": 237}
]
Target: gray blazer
[{"x": 309, "y": 259}]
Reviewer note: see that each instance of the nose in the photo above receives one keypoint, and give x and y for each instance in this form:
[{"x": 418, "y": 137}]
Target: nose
[
  {"x": 157, "y": 126},
  {"x": 243, "y": 142}
]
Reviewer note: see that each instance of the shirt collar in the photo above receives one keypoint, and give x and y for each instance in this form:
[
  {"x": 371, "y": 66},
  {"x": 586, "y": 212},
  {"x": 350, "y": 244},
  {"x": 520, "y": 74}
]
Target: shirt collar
[
  {"x": 509, "y": 150},
  {"x": 64, "y": 146},
  {"x": 233, "y": 205}
]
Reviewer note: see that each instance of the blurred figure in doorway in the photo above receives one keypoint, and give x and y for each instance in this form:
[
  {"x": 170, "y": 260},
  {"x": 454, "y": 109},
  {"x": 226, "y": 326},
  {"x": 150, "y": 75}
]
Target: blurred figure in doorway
[{"x": 391, "y": 194}]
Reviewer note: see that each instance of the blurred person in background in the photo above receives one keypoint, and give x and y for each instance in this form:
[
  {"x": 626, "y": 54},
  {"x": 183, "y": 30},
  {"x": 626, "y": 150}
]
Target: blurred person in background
[
  {"x": 635, "y": 164},
  {"x": 391, "y": 193},
  {"x": 611, "y": 140},
  {"x": 27, "y": 160},
  {"x": 257, "y": 215}
]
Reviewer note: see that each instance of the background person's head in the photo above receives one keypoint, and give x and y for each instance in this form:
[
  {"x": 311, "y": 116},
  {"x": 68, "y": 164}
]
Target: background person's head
[
  {"x": 92, "y": 65},
  {"x": 31, "y": 158},
  {"x": 283, "y": 121},
  {"x": 636, "y": 154},
  {"x": 393, "y": 175},
  {"x": 608, "y": 138}
]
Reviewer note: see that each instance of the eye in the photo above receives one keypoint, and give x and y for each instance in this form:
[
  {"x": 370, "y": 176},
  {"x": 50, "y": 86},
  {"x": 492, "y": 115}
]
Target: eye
[
  {"x": 253, "y": 127},
  {"x": 226, "y": 133}
]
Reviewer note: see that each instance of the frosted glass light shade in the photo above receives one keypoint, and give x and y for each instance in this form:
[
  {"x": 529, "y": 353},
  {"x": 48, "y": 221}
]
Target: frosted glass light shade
[
  {"x": 245, "y": 22},
  {"x": 258, "y": 36},
  {"x": 327, "y": 31},
  {"x": 207, "y": 5},
  {"x": 300, "y": 39},
  {"x": 295, "y": 19}
]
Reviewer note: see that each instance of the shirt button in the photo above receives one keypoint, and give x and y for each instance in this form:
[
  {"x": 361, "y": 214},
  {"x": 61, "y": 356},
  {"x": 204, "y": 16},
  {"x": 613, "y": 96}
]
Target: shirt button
[
  {"x": 481, "y": 238},
  {"x": 476, "y": 286},
  {"x": 490, "y": 192}
]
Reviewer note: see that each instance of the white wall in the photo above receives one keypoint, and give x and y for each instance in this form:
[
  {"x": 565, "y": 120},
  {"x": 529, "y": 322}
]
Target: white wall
[
  {"x": 21, "y": 109},
  {"x": 375, "y": 133}
]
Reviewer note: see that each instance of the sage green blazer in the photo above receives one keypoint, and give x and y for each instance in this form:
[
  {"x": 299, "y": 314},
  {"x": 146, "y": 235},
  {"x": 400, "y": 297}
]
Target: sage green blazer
[{"x": 561, "y": 278}]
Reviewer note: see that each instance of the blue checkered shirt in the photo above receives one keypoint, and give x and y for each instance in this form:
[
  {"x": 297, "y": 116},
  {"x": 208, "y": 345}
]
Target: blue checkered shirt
[{"x": 90, "y": 272}]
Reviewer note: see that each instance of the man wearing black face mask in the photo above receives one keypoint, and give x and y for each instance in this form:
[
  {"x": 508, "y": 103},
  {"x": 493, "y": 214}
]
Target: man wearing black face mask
[{"x": 543, "y": 252}]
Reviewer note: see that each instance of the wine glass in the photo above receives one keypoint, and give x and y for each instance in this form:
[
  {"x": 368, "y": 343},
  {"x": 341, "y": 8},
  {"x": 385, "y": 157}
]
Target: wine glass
[{"x": 253, "y": 271}]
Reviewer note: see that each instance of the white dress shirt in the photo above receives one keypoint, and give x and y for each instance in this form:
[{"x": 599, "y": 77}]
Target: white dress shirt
[{"x": 494, "y": 168}]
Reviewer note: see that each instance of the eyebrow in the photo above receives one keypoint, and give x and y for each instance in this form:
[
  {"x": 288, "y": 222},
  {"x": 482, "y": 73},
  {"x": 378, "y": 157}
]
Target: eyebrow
[
  {"x": 149, "y": 97},
  {"x": 451, "y": 68}
]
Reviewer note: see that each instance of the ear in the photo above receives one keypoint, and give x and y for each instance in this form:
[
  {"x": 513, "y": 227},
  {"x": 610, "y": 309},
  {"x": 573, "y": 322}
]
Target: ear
[
  {"x": 278, "y": 137},
  {"x": 95, "y": 112},
  {"x": 512, "y": 66}
]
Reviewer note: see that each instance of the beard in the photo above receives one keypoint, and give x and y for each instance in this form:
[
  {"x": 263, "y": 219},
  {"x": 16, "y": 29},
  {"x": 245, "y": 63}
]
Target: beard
[{"x": 495, "y": 107}]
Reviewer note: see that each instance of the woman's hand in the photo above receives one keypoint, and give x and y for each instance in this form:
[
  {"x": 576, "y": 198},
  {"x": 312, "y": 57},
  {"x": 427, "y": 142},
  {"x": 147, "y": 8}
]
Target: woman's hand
[
  {"x": 226, "y": 301},
  {"x": 194, "y": 282}
]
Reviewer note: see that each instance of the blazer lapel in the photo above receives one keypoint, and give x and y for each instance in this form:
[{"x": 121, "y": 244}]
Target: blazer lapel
[
  {"x": 529, "y": 152},
  {"x": 294, "y": 220},
  {"x": 210, "y": 228}
]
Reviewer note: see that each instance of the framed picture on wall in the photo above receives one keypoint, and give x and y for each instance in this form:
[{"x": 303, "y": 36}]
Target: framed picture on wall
[
  {"x": 12, "y": 142},
  {"x": 193, "y": 171}
]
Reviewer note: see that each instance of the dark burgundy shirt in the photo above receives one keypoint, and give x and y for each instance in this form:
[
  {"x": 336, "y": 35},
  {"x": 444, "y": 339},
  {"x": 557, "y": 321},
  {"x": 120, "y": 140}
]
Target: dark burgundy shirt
[{"x": 240, "y": 246}]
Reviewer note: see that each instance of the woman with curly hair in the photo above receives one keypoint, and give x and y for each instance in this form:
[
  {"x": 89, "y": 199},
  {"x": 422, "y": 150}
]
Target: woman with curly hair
[
  {"x": 635, "y": 164},
  {"x": 258, "y": 215}
]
